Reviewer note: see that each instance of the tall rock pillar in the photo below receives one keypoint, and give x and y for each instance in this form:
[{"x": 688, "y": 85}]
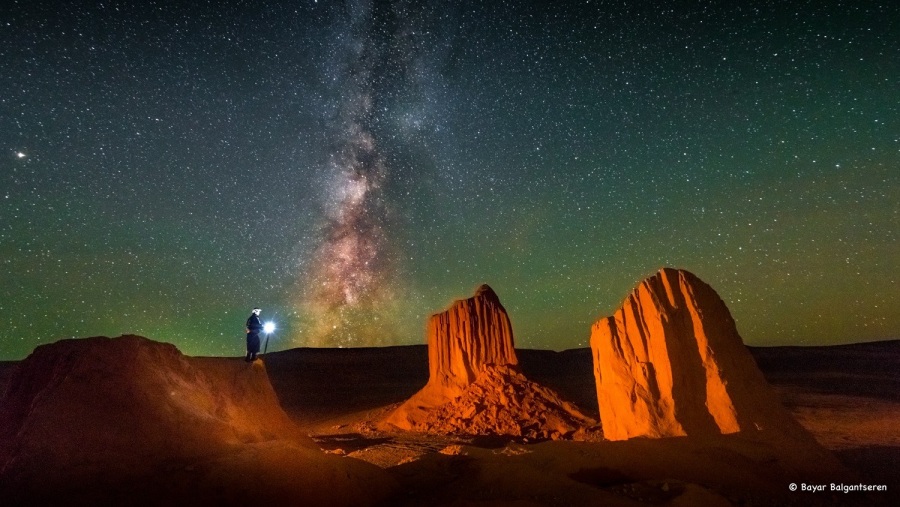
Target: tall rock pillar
[
  {"x": 462, "y": 340},
  {"x": 471, "y": 335}
]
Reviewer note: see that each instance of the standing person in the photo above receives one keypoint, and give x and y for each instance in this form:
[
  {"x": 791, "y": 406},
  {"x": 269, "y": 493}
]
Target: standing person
[{"x": 254, "y": 326}]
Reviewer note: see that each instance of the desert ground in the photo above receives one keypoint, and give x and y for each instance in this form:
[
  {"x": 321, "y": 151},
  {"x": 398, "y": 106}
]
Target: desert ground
[{"x": 845, "y": 396}]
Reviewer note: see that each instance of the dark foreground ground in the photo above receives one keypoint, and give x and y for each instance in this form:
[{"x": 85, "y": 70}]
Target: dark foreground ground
[{"x": 847, "y": 396}]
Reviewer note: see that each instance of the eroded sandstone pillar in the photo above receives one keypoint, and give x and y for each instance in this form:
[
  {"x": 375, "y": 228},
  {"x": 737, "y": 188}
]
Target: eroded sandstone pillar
[{"x": 670, "y": 362}]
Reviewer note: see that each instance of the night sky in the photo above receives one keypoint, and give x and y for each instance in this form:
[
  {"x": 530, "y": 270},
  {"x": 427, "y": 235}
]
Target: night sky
[{"x": 353, "y": 167}]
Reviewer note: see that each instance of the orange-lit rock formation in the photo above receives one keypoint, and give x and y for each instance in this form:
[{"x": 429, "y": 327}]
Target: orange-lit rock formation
[
  {"x": 474, "y": 386},
  {"x": 670, "y": 362},
  {"x": 473, "y": 333},
  {"x": 128, "y": 400},
  {"x": 501, "y": 401},
  {"x": 93, "y": 419}
]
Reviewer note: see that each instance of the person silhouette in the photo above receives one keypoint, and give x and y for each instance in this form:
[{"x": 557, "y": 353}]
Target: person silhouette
[{"x": 254, "y": 326}]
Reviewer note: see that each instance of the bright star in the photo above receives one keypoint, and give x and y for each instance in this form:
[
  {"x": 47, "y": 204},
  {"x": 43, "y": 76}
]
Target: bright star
[{"x": 19, "y": 154}]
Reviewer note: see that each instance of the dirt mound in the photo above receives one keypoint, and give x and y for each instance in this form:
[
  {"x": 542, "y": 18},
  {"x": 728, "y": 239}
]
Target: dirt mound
[
  {"x": 501, "y": 401},
  {"x": 130, "y": 399},
  {"x": 88, "y": 419}
]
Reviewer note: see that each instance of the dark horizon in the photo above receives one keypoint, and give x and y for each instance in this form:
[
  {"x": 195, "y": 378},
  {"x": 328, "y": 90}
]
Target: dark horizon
[{"x": 238, "y": 354}]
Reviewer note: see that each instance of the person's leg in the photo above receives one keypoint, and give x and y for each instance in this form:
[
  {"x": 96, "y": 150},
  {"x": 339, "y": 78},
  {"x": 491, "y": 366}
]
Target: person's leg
[{"x": 253, "y": 346}]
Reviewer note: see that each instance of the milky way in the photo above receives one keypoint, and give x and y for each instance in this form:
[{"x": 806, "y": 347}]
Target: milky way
[{"x": 352, "y": 279}]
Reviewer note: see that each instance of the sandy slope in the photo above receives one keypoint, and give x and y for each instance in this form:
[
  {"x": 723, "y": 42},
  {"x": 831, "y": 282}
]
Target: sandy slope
[{"x": 102, "y": 421}]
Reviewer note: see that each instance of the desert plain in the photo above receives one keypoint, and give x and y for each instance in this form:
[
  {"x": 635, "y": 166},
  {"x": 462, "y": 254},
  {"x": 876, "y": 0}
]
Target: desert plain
[{"x": 132, "y": 421}]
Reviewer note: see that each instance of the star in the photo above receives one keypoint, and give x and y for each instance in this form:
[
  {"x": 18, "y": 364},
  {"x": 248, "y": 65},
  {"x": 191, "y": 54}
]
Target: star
[{"x": 403, "y": 153}]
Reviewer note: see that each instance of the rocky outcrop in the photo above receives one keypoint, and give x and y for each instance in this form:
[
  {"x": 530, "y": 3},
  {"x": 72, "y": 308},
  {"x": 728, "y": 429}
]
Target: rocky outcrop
[
  {"x": 96, "y": 420},
  {"x": 131, "y": 400},
  {"x": 472, "y": 334},
  {"x": 670, "y": 362},
  {"x": 474, "y": 385}
]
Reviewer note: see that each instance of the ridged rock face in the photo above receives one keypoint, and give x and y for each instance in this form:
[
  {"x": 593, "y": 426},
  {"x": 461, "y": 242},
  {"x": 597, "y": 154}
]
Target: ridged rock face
[
  {"x": 474, "y": 386},
  {"x": 473, "y": 333},
  {"x": 670, "y": 362}
]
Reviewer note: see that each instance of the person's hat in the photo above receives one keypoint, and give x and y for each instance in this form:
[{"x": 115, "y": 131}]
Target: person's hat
[{"x": 256, "y": 311}]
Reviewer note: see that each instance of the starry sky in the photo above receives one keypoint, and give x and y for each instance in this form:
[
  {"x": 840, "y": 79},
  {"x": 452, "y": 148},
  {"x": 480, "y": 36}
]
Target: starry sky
[{"x": 354, "y": 166}]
